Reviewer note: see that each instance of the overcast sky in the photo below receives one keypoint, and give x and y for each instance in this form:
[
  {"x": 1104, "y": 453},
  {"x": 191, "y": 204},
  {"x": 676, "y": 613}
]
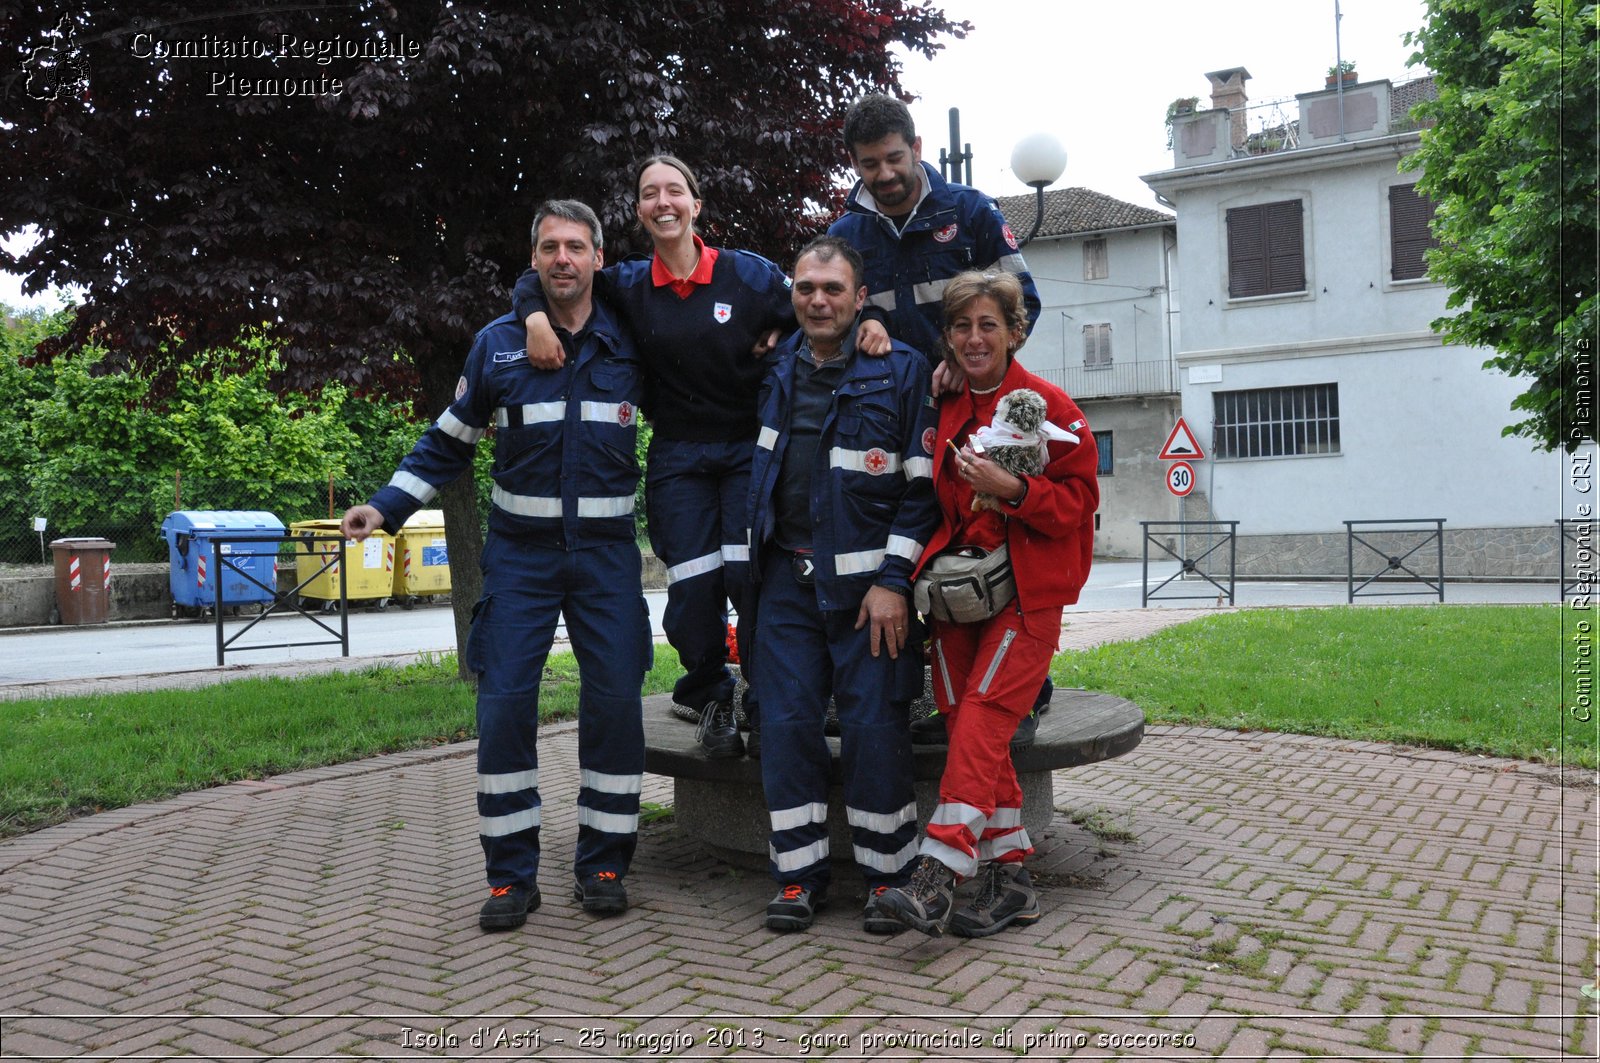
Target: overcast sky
[{"x": 1099, "y": 76}]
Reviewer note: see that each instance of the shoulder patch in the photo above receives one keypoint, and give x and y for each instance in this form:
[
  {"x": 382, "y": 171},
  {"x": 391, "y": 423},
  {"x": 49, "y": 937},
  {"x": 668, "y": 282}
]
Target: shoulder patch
[
  {"x": 461, "y": 388},
  {"x": 501, "y": 357},
  {"x": 1010, "y": 238}
]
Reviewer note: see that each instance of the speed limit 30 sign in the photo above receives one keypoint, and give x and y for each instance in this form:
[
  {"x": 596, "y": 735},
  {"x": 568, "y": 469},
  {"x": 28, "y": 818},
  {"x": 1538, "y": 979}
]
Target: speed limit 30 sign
[{"x": 1180, "y": 478}]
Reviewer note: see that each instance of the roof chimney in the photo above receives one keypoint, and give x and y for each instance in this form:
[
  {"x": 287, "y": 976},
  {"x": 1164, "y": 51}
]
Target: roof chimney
[{"x": 1227, "y": 92}]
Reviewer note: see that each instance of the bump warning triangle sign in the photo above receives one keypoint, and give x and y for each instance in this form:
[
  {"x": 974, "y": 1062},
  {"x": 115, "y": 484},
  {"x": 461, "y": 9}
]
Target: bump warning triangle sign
[{"x": 1181, "y": 444}]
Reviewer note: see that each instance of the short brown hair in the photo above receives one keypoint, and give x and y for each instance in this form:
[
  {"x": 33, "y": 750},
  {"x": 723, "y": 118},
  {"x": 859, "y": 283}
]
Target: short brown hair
[{"x": 965, "y": 288}]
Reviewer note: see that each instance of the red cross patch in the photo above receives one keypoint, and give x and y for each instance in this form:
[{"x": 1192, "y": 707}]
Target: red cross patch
[
  {"x": 722, "y": 312},
  {"x": 1005, "y": 230},
  {"x": 928, "y": 439},
  {"x": 945, "y": 235},
  {"x": 625, "y": 414},
  {"x": 876, "y": 462}
]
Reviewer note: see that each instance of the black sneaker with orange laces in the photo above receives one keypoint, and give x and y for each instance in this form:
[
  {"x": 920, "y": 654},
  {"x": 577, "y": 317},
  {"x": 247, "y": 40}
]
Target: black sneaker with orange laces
[
  {"x": 875, "y": 920},
  {"x": 601, "y": 893},
  {"x": 507, "y": 907},
  {"x": 794, "y": 906}
]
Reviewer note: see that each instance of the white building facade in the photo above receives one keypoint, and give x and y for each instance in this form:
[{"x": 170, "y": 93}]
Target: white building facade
[
  {"x": 1307, "y": 365},
  {"x": 1104, "y": 272}
]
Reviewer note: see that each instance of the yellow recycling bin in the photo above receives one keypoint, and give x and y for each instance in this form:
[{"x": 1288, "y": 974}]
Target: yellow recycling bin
[
  {"x": 422, "y": 558},
  {"x": 369, "y": 564}
]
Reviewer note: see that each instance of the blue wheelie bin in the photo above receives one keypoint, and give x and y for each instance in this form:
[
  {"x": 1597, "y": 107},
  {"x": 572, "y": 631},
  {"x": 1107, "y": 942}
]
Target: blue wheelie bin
[{"x": 193, "y": 574}]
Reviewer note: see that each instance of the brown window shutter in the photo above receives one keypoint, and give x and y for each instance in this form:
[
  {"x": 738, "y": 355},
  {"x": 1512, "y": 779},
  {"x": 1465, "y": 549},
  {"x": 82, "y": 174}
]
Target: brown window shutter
[
  {"x": 1247, "y": 253},
  {"x": 1286, "y": 258},
  {"x": 1409, "y": 238}
]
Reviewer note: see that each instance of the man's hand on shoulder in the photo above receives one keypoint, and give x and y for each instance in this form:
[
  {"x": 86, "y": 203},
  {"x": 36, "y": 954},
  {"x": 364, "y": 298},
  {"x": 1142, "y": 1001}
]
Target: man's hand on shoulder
[
  {"x": 873, "y": 338},
  {"x": 946, "y": 378},
  {"x": 764, "y": 343},
  {"x": 544, "y": 348},
  {"x": 360, "y": 522}
]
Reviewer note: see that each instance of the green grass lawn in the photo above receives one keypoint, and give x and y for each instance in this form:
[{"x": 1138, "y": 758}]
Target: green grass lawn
[
  {"x": 1472, "y": 678},
  {"x": 1480, "y": 679}
]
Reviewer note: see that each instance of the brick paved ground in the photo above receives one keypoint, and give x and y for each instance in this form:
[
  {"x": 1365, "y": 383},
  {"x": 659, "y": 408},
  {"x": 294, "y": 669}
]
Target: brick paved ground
[{"x": 1251, "y": 895}]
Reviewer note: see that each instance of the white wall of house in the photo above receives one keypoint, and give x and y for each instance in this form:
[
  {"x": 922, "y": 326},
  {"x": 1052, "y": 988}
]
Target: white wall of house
[{"x": 1420, "y": 422}]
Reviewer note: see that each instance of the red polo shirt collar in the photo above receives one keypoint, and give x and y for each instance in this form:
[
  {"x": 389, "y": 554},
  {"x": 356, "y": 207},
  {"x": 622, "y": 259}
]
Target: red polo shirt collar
[{"x": 684, "y": 288}]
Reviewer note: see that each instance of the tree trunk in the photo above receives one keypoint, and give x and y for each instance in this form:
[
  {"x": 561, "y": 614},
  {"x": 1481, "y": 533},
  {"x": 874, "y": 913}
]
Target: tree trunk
[{"x": 459, "y": 501}]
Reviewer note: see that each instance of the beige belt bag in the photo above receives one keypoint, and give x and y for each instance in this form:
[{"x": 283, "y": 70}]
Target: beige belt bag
[{"x": 965, "y": 585}]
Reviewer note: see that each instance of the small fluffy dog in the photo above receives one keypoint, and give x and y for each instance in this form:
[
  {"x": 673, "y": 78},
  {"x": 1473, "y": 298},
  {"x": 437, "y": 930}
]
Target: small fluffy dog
[{"x": 1017, "y": 439}]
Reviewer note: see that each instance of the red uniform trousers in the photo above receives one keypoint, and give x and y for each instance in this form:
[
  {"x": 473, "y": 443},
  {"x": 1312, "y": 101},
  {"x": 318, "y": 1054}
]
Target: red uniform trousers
[{"x": 985, "y": 679}]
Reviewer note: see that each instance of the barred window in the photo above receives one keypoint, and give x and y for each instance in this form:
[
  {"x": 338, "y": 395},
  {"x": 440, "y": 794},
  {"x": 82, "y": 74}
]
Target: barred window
[
  {"x": 1102, "y": 444},
  {"x": 1097, "y": 345},
  {"x": 1277, "y": 422}
]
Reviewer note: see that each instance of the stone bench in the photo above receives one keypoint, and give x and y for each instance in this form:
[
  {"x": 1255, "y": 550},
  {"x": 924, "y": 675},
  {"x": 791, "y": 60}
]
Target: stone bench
[{"x": 720, "y": 802}]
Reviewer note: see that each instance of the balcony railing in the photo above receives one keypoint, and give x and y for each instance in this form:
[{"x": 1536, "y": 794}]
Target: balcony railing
[{"x": 1117, "y": 380}]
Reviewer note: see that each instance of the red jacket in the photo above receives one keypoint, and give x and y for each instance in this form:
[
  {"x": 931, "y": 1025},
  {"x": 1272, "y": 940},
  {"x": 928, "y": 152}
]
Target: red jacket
[{"x": 1051, "y": 535}]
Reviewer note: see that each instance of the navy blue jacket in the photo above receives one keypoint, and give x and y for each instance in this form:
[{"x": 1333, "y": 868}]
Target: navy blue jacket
[
  {"x": 872, "y": 503},
  {"x": 565, "y": 460},
  {"x": 954, "y": 228}
]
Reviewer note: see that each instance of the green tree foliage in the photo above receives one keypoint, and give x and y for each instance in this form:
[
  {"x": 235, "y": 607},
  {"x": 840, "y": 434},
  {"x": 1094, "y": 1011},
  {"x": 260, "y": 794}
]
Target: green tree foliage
[
  {"x": 108, "y": 453},
  {"x": 1511, "y": 164}
]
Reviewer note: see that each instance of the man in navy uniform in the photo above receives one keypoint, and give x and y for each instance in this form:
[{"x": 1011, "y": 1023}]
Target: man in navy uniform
[
  {"x": 841, "y": 506},
  {"x": 561, "y": 542}
]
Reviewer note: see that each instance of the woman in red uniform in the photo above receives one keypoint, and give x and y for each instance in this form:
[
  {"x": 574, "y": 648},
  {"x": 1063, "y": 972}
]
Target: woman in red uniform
[{"x": 986, "y": 674}]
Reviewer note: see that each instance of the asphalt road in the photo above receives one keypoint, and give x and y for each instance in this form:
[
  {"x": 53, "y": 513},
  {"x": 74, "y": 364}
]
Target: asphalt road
[{"x": 42, "y": 655}]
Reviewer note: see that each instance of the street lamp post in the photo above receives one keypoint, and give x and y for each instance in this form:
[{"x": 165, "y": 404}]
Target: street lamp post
[{"x": 1038, "y": 161}]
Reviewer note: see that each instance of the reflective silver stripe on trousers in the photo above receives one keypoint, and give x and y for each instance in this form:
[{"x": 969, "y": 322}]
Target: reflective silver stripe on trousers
[
  {"x": 500, "y": 826},
  {"x": 882, "y": 822},
  {"x": 1005, "y": 818},
  {"x": 885, "y": 863},
  {"x": 795, "y": 859},
  {"x": 453, "y": 426},
  {"x": 944, "y": 672},
  {"x": 799, "y": 816},
  {"x": 956, "y": 860},
  {"x": 916, "y": 468},
  {"x": 954, "y": 813},
  {"x": 884, "y": 300},
  {"x": 415, "y": 486},
  {"x": 1015, "y": 842},
  {"x": 901, "y": 546},
  {"x": 610, "y": 822},
  {"x": 999, "y": 655},
  {"x": 735, "y": 552},
  {"x": 853, "y": 564},
  {"x": 856, "y": 460},
  {"x": 929, "y": 291},
  {"x": 768, "y": 438},
  {"x": 600, "y": 782},
  {"x": 698, "y": 566},
  {"x": 509, "y": 782}
]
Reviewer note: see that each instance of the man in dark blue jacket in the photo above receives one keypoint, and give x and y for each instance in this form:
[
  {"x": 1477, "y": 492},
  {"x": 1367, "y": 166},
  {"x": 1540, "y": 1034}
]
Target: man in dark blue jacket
[
  {"x": 561, "y": 541},
  {"x": 841, "y": 505},
  {"x": 915, "y": 231}
]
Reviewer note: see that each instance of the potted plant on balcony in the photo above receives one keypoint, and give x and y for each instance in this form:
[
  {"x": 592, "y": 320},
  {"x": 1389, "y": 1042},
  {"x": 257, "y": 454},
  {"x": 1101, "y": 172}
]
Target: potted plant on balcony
[
  {"x": 1342, "y": 71},
  {"x": 1180, "y": 106}
]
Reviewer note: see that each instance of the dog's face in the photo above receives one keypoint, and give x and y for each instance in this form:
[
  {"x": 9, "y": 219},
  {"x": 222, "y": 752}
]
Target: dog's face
[{"x": 1024, "y": 408}]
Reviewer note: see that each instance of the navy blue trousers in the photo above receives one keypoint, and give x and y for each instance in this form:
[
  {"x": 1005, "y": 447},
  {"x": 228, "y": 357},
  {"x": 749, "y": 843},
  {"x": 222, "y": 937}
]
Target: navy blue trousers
[
  {"x": 525, "y": 590},
  {"x": 805, "y": 654},
  {"x": 695, "y": 495}
]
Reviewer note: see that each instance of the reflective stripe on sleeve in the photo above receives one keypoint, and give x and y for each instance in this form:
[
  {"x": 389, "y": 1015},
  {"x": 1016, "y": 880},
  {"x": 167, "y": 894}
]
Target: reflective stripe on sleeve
[
  {"x": 768, "y": 438},
  {"x": 901, "y": 546},
  {"x": 882, "y": 300},
  {"x": 919, "y": 467},
  {"x": 415, "y": 486},
  {"x": 456, "y": 428},
  {"x": 854, "y": 564},
  {"x": 698, "y": 566}
]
